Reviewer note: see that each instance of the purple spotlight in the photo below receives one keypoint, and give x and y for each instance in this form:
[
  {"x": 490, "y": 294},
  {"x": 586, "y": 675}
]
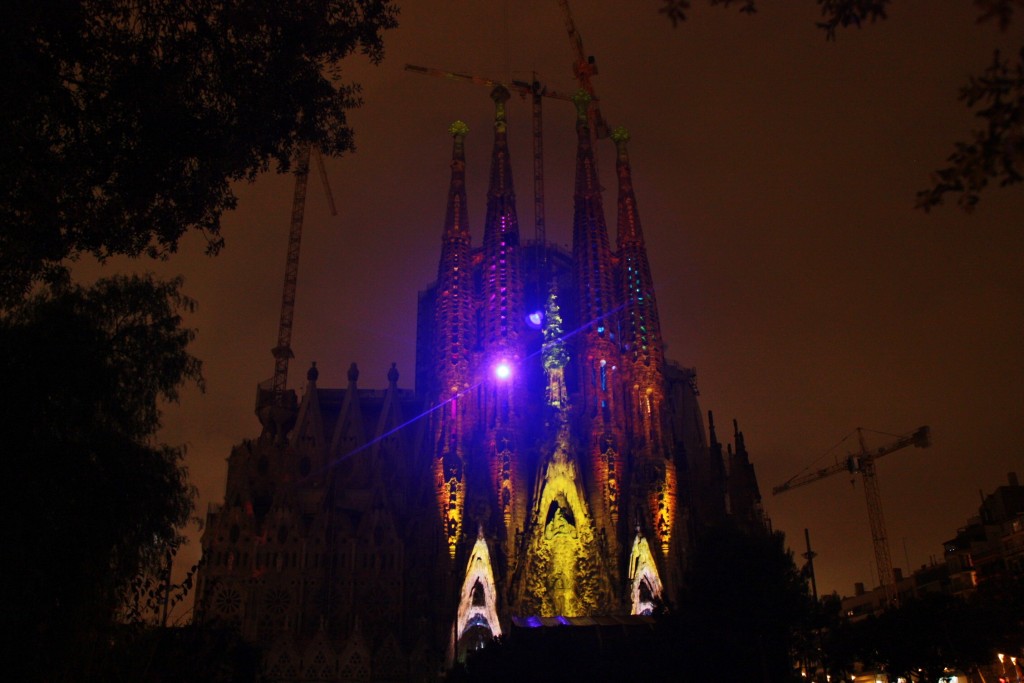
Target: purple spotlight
[
  {"x": 535, "y": 319},
  {"x": 503, "y": 370}
]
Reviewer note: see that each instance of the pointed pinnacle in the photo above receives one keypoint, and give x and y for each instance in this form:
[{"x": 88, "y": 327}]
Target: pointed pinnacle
[
  {"x": 621, "y": 136},
  {"x": 581, "y": 98},
  {"x": 500, "y": 95}
]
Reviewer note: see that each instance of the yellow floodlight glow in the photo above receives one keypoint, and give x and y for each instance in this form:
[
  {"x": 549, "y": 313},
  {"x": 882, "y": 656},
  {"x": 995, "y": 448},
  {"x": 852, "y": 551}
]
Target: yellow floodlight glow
[
  {"x": 645, "y": 584},
  {"x": 477, "y": 604}
]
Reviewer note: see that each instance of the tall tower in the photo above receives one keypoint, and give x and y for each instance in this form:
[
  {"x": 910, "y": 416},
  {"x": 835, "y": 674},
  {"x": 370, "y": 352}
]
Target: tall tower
[
  {"x": 452, "y": 346},
  {"x": 503, "y": 295},
  {"x": 597, "y": 358},
  {"x": 654, "y": 485},
  {"x": 379, "y": 528},
  {"x": 503, "y": 379}
]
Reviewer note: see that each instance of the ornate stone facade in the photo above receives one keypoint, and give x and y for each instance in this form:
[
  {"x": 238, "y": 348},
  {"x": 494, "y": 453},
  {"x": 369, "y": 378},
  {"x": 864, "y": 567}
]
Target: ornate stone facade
[{"x": 550, "y": 460}]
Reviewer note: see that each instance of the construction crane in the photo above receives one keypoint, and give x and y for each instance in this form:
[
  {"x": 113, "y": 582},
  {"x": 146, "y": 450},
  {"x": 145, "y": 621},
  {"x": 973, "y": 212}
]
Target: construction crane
[
  {"x": 864, "y": 463},
  {"x": 283, "y": 351},
  {"x": 536, "y": 92},
  {"x": 584, "y": 68}
]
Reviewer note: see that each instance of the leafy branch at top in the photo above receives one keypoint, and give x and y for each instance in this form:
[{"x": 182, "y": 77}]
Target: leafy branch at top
[
  {"x": 126, "y": 121},
  {"x": 676, "y": 10},
  {"x": 995, "y": 152},
  {"x": 836, "y": 13}
]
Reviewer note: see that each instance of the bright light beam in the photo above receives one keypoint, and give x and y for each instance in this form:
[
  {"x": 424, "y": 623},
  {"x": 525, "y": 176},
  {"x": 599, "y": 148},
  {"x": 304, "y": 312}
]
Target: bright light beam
[
  {"x": 366, "y": 446},
  {"x": 502, "y": 370}
]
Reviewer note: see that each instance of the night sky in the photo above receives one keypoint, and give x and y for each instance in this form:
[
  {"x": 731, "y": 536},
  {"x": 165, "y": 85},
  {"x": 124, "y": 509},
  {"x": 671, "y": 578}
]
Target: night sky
[{"x": 775, "y": 175}]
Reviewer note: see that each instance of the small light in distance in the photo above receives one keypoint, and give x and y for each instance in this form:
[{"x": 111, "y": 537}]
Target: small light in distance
[{"x": 535, "y": 319}]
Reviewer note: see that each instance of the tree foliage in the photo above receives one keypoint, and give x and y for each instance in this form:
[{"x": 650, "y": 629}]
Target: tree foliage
[
  {"x": 94, "y": 502},
  {"x": 995, "y": 151},
  {"x": 835, "y": 13},
  {"x": 747, "y": 605},
  {"x": 197, "y": 653},
  {"x": 929, "y": 634},
  {"x": 924, "y": 637},
  {"x": 125, "y": 121}
]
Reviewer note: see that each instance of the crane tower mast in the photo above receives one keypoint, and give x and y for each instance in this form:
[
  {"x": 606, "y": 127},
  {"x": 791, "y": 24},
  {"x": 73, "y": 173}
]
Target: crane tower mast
[
  {"x": 863, "y": 462},
  {"x": 584, "y": 68},
  {"x": 283, "y": 351}
]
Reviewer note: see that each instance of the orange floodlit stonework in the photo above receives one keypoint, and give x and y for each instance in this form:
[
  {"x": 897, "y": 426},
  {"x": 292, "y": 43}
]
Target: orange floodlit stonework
[{"x": 549, "y": 461}]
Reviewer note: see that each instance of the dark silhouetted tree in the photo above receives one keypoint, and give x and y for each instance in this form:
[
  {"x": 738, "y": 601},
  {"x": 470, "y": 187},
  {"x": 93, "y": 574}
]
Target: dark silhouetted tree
[
  {"x": 994, "y": 152},
  {"x": 197, "y": 653},
  {"x": 927, "y": 635},
  {"x": 746, "y": 605},
  {"x": 92, "y": 501},
  {"x": 835, "y": 639},
  {"x": 124, "y": 122}
]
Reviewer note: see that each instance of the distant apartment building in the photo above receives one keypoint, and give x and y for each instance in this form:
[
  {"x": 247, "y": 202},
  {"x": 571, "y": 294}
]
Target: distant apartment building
[{"x": 989, "y": 546}]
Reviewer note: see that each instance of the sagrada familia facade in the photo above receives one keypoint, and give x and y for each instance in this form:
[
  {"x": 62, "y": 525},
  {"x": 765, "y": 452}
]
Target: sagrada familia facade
[{"x": 550, "y": 462}]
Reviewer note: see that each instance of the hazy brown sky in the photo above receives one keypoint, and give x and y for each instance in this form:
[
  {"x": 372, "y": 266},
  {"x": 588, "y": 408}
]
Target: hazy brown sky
[{"x": 775, "y": 176}]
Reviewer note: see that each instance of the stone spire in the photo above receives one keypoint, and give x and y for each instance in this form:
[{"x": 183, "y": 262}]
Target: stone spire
[
  {"x": 744, "y": 494},
  {"x": 308, "y": 435},
  {"x": 453, "y": 316},
  {"x": 641, "y": 330},
  {"x": 503, "y": 312},
  {"x": 591, "y": 250},
  {"x": 711, "y": 478},
  {"x": 644, "y": 357},
  {"x": 349, "y": 432},
  {"x": 502, "y": 321},
  {"x": 597, "y": 358}
]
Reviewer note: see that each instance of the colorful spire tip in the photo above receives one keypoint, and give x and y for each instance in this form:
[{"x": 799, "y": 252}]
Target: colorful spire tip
[
  {"x": 620, "y": 134},
  {"x": 581, "y": 98}
]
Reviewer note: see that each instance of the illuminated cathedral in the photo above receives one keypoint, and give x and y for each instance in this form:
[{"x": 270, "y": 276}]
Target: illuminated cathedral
[{"x": 550, "y": 463}]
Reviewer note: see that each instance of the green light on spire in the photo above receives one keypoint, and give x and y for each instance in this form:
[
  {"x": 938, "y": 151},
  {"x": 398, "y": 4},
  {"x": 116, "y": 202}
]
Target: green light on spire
[
  {"x": 458, "y": 129},
  {"x": 500, "y": 95},
  {"x": 621, "y": 136},
  {"x": 581, "y": 99},
  {"x": 555, "y": 355}
]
